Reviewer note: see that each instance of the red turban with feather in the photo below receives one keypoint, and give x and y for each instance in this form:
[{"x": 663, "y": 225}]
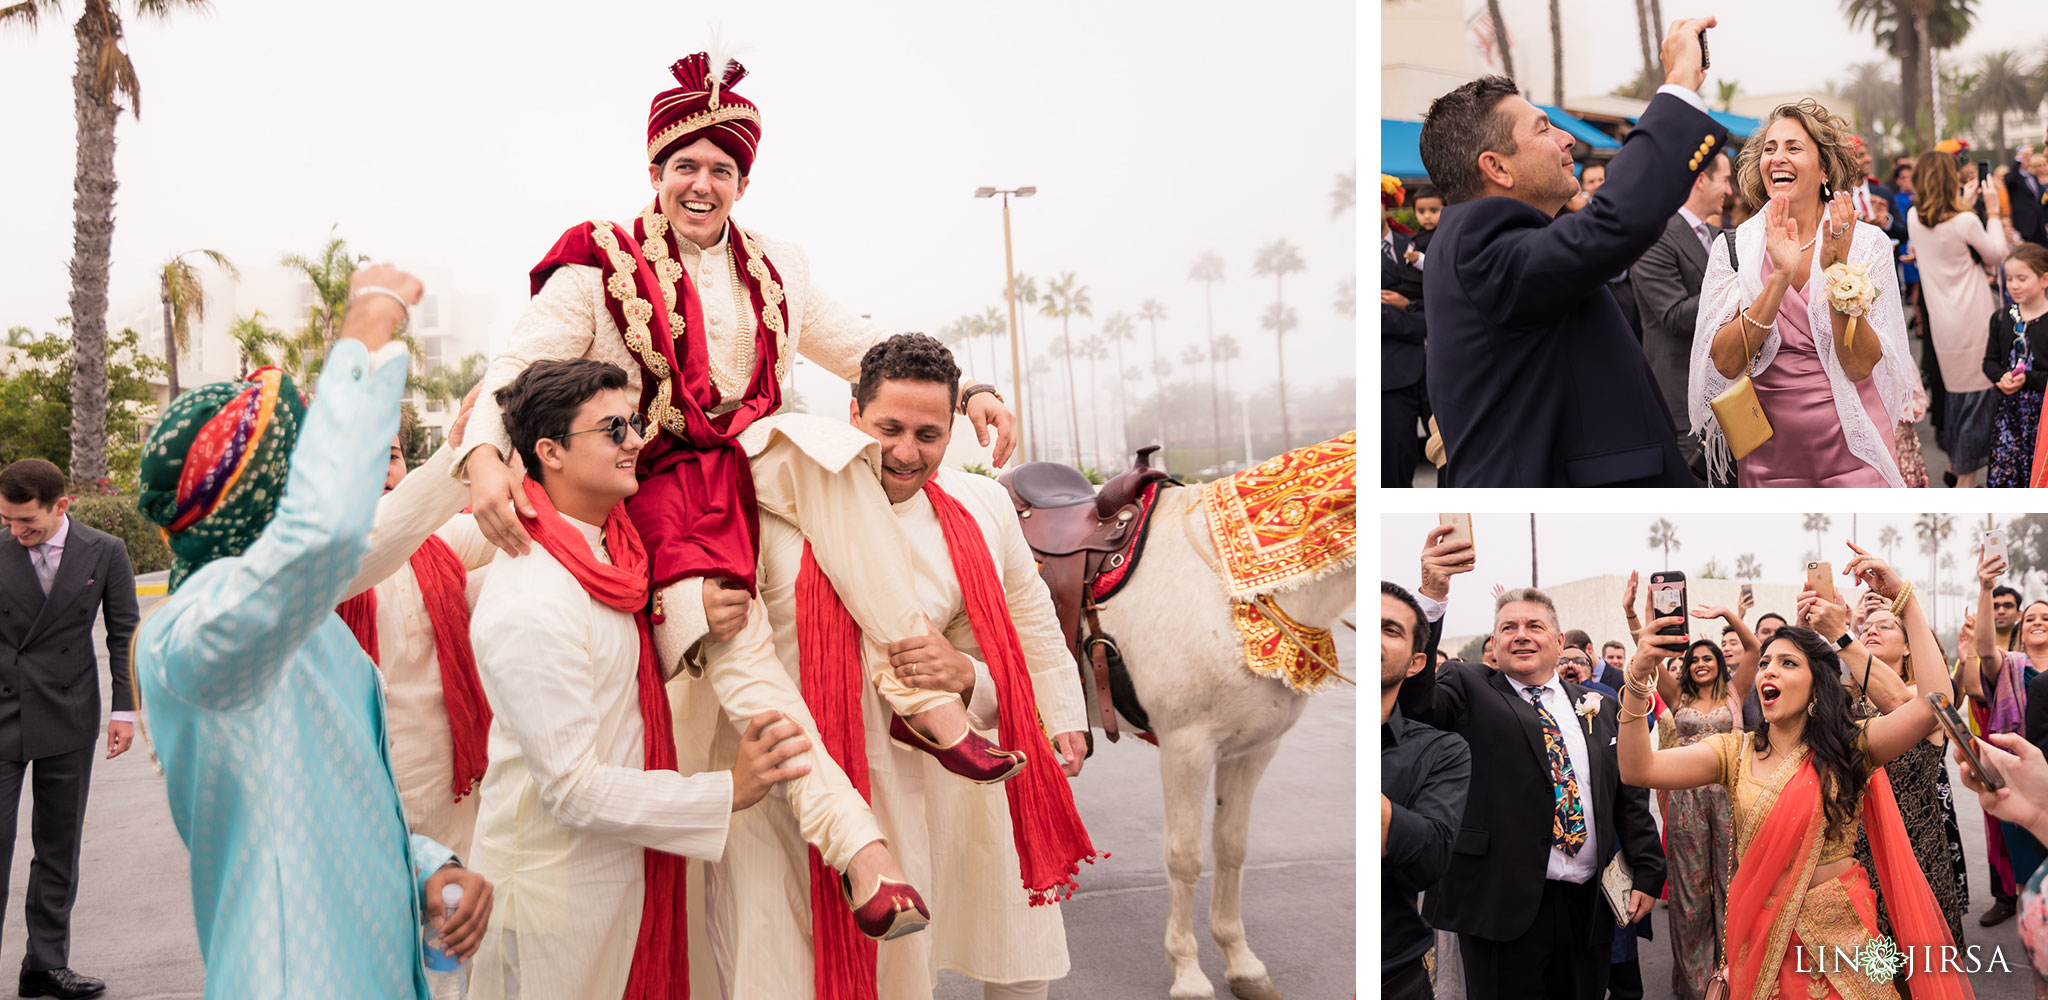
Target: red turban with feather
[{"x": 704, "y": 107}]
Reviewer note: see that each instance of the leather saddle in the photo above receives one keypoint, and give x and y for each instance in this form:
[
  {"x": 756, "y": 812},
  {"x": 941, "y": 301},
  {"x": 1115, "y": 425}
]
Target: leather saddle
[{"x": 1086, "y": 542}]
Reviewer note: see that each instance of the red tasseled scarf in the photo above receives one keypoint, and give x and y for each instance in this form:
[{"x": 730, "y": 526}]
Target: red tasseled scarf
[
  {"x": 442, "y": 583},
  {"x": 1051, "y": 841},
  {"x": 661, "y": 954}
]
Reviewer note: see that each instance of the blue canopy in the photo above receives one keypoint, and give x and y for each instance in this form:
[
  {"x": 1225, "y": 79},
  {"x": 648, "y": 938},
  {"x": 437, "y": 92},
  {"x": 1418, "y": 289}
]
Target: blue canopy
[
  {"x": 1591, "y": 137},
  {"x": 1401, "y": 149},
  {"x": 1738, "y": 126}
]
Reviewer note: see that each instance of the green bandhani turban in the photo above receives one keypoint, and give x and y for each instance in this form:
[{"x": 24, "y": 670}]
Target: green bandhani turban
[{"x": 216, "y": 465}]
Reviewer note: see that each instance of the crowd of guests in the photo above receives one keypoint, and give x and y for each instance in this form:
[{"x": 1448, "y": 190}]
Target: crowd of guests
[
  {"x": 1771, "y": 288},
  {"x": 1802, "y": 799}
]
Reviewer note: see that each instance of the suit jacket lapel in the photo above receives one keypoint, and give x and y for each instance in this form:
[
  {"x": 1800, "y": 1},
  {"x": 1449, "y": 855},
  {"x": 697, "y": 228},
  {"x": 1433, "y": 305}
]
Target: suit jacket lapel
[
  {"x": 73, "y": 572},
  {"x": 1688, "y": 242},
  {"x": 1532, "y": 727},
  {"x": 18, "y": 576}
]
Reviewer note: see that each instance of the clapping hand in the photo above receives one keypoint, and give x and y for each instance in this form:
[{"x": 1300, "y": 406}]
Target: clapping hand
[
  {"x": 1839, "y": 230},
  {"x": 1781, "y": 236}
]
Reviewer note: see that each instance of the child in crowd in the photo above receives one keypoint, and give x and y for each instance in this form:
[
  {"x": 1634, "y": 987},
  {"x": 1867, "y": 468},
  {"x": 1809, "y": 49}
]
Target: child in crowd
[{"x": 2016, "y": 359}]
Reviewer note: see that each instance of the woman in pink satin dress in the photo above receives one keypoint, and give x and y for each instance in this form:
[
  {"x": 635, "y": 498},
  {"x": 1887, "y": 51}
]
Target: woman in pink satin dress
[{"x": 1832, "y": 386}]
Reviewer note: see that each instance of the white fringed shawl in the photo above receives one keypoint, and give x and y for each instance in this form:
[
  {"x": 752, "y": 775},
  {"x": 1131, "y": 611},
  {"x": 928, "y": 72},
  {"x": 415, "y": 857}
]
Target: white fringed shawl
[{"x": 1723, "y": 292}]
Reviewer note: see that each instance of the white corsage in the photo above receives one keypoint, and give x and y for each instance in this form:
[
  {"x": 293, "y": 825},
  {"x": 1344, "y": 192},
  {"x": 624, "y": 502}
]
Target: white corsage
[
  {"x": 1850, "y": 292},
  {"x": 1589, "y": 706}
]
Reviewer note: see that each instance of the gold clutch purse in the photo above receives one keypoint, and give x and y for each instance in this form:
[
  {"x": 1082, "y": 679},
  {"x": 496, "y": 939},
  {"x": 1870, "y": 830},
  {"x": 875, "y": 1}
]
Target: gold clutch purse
[{"x": 1737, "y": 409}]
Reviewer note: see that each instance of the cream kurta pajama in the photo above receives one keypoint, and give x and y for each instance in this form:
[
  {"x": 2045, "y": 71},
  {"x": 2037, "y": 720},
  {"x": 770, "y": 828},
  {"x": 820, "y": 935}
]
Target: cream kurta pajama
[
  {"x": 982, "y": 923},
  {"x": 415, "y": 712}
]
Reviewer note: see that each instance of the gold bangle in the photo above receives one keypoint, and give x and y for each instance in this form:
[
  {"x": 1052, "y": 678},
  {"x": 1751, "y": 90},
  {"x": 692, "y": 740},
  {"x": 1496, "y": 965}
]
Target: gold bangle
[{"x": 1899, "y": 602}]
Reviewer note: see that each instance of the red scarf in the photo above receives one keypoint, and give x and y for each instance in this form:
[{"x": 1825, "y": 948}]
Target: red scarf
[
  {"x": 1051, "y": 841},
  {"x": 443, "y": 582},
  {"x": 661, "y": 955}
]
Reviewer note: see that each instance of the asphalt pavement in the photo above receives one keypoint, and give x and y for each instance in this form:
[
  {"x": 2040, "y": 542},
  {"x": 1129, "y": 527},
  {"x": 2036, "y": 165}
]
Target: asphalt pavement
[{"x": 132, "y": 924}]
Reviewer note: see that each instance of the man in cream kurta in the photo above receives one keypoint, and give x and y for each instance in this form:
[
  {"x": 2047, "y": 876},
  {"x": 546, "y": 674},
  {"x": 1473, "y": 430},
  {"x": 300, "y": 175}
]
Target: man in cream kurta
[
  {"x": 415, "y": 711},
  {"x": 983, "y": 926}
]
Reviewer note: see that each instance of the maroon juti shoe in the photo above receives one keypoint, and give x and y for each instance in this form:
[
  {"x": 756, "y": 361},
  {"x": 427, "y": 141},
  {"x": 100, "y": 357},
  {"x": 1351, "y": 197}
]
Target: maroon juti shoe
[
  {"x": 891, "y": 911},
  {"x": 971, "y": 756}
]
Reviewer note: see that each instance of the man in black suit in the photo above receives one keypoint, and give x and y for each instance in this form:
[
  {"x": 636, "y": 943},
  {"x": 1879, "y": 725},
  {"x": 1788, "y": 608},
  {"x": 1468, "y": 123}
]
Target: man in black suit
[
  {"x": 1667, "y": 281},
  {"x": 56, "y": 577},
  {"x": 2026, "y": 190},
  {"x": 1402, "y": 403},
  {"x": 1523, "y": 890},
  {"x": 1535, "y": 376},
  {"x": 1874, "y": 203}
]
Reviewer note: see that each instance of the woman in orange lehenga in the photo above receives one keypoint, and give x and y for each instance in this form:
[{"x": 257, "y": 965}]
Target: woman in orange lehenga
[{"x": 1800, "y": 785}]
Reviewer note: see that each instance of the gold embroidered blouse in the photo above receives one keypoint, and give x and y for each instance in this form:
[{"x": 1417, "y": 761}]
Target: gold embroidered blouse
[{"x": 1753, "y": 797}]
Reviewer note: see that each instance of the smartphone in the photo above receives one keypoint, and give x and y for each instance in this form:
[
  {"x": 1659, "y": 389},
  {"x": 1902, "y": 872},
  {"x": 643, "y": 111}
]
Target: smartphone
[
  {"x": 1667, "y": 598},
  {"x": 1461, "y": 526},
  {"x": 1706, "y": 62},
  {"x": 1983, "y": 171},
  {"x": 1994, "y": 544},
  {"x": 1952, "y": 724},
  {"x": 1748, "y": 593},
  {"x": 1820, "y": 578}
]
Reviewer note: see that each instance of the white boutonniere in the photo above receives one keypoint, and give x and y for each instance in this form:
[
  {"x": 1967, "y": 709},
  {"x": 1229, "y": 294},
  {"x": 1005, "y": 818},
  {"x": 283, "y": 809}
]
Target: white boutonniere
[{"x": 1589, "y": 706}]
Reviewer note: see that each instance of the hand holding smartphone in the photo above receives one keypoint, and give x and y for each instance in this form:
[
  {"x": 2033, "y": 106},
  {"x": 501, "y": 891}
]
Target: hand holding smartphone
[
  {"x": 1994, "y": 545},
  {"x": 1461, "y": 527},
  {"x": 1667, "y": 600},
  {"x": 1820, "y": 578},
  {"x": 1952, "y": 724}
]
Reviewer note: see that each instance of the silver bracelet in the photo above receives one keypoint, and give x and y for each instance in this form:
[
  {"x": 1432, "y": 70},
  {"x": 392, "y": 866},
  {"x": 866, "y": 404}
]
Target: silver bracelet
[{"x": 395, "y": 297}]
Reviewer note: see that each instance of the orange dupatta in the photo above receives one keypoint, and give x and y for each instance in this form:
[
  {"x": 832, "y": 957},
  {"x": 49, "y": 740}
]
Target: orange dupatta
[
  {"x": 1769, "y": 888},
  {"x": 2038, "y": 477}
]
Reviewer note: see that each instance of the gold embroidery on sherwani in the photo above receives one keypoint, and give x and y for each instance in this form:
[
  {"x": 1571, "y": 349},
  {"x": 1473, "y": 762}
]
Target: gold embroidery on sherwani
[
  {"x": 638, "y": 312},
  {"x": 730, "y": 381},
  {"x": 771, "y": 293},
  {"x": 1827, "y": 922}
]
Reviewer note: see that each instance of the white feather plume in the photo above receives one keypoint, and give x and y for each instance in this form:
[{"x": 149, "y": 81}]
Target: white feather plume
[{"x": 719, "y": 56}]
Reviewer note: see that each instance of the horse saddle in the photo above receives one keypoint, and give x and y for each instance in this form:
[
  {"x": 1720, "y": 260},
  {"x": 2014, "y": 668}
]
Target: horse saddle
[{"x": 1086, "y": 543}]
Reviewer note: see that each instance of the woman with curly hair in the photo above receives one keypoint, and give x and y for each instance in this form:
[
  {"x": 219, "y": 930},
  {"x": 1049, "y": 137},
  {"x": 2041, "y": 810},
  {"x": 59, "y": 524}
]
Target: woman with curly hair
[
  {"x": 1802, "y": 785},
  {"x": 1831, "y": 372}
]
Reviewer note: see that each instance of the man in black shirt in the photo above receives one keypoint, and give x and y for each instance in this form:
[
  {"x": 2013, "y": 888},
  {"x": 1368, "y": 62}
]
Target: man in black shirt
[{"x": 1423, "y": 777}]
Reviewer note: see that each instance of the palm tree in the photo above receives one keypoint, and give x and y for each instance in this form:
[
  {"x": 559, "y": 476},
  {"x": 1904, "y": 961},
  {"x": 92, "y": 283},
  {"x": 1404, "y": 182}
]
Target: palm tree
[
  {"x": 1119, "y": 329},
  {"x": 1344, "y": 193},
  {"x": 996, "y": 327},
  {"x": 330, "y": 276},
  {"x": 2002, "y": 86},
  {"x": 1279, "y": 259},
  {"x": 1208, "y": 269},
  {"x": 255, "y": 341},
  {"x": 1664, "y": 535},
  {"x": 1644, "y": 28},
  {"x": 1888, "y": 540},
  {"x": 1346, "y": 302},
  {"x": 1500, "y": 35},
  {"x": 1724, "y": 91},
  {"x": 1874, "y": 93},
  {"x": 1037, "y": 366},
  {"x": 1152, "y": 311},
  {"x": 104, "y": 75},
  {"x": 1747, "y": 567},
  {"x": 1221, "y": 354},
  {"x": 1094, "y": 349},
  {"x": 1556, "y": 56},
  {"x": 1912, "y": 30},
  {"x": 1933, "y": 530},
  {"x": 1817, "y": 523},
  {"x": 184, "y": 304},
  {"x": 1066, "y": 298},
  {"x": 444, "y": 385}
]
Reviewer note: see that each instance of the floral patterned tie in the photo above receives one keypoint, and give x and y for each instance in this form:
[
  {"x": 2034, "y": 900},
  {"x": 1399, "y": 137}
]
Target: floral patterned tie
[{"x": 1567, "y": 823}]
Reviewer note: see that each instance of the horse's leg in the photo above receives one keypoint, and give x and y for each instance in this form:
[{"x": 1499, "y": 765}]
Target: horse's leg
[
  {"x": 1236, "y": 779},
  {"x": 1185, "y": 762}
]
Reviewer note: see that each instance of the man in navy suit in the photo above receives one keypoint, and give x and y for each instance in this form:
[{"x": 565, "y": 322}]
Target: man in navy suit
[
  {"x": 1402, "y": 403},
  {"x": 1535, "y": 377},
  {"x": 2028, "y": 195}
]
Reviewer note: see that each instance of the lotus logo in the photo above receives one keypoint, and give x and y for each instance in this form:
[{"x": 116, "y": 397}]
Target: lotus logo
[{"x": 1880, "y": 960}]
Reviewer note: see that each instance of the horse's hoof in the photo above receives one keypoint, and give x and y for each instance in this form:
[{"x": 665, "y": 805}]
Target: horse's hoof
[
  {"x": 1254, "y": 989},
  {"x": 1197, "y": 988}
]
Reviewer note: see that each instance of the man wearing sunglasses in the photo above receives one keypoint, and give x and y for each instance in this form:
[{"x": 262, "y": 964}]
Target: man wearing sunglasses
[{"x": 587, "y": 810}]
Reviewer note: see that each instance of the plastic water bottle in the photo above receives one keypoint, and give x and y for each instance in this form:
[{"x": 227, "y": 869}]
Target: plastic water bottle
[{"x": 445, "y": 980}]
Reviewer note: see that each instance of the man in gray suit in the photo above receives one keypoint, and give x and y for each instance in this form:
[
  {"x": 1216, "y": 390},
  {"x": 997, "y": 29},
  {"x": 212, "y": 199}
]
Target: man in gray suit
[
  {"x": 56, "y": 575},
  {"x": 1666, "y": 280}
]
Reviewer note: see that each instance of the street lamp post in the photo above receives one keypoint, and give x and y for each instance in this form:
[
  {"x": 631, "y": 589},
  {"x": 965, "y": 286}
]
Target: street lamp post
[{"x": 1010, "y": 293}]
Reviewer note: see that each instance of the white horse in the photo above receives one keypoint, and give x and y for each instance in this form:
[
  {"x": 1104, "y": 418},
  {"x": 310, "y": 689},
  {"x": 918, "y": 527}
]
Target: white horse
[{"x": 1174, "y": 624}]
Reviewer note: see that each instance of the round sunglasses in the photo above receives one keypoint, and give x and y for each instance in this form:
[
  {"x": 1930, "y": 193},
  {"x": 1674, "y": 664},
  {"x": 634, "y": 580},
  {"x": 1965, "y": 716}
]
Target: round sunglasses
[{"x": 616, "y": 427}]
